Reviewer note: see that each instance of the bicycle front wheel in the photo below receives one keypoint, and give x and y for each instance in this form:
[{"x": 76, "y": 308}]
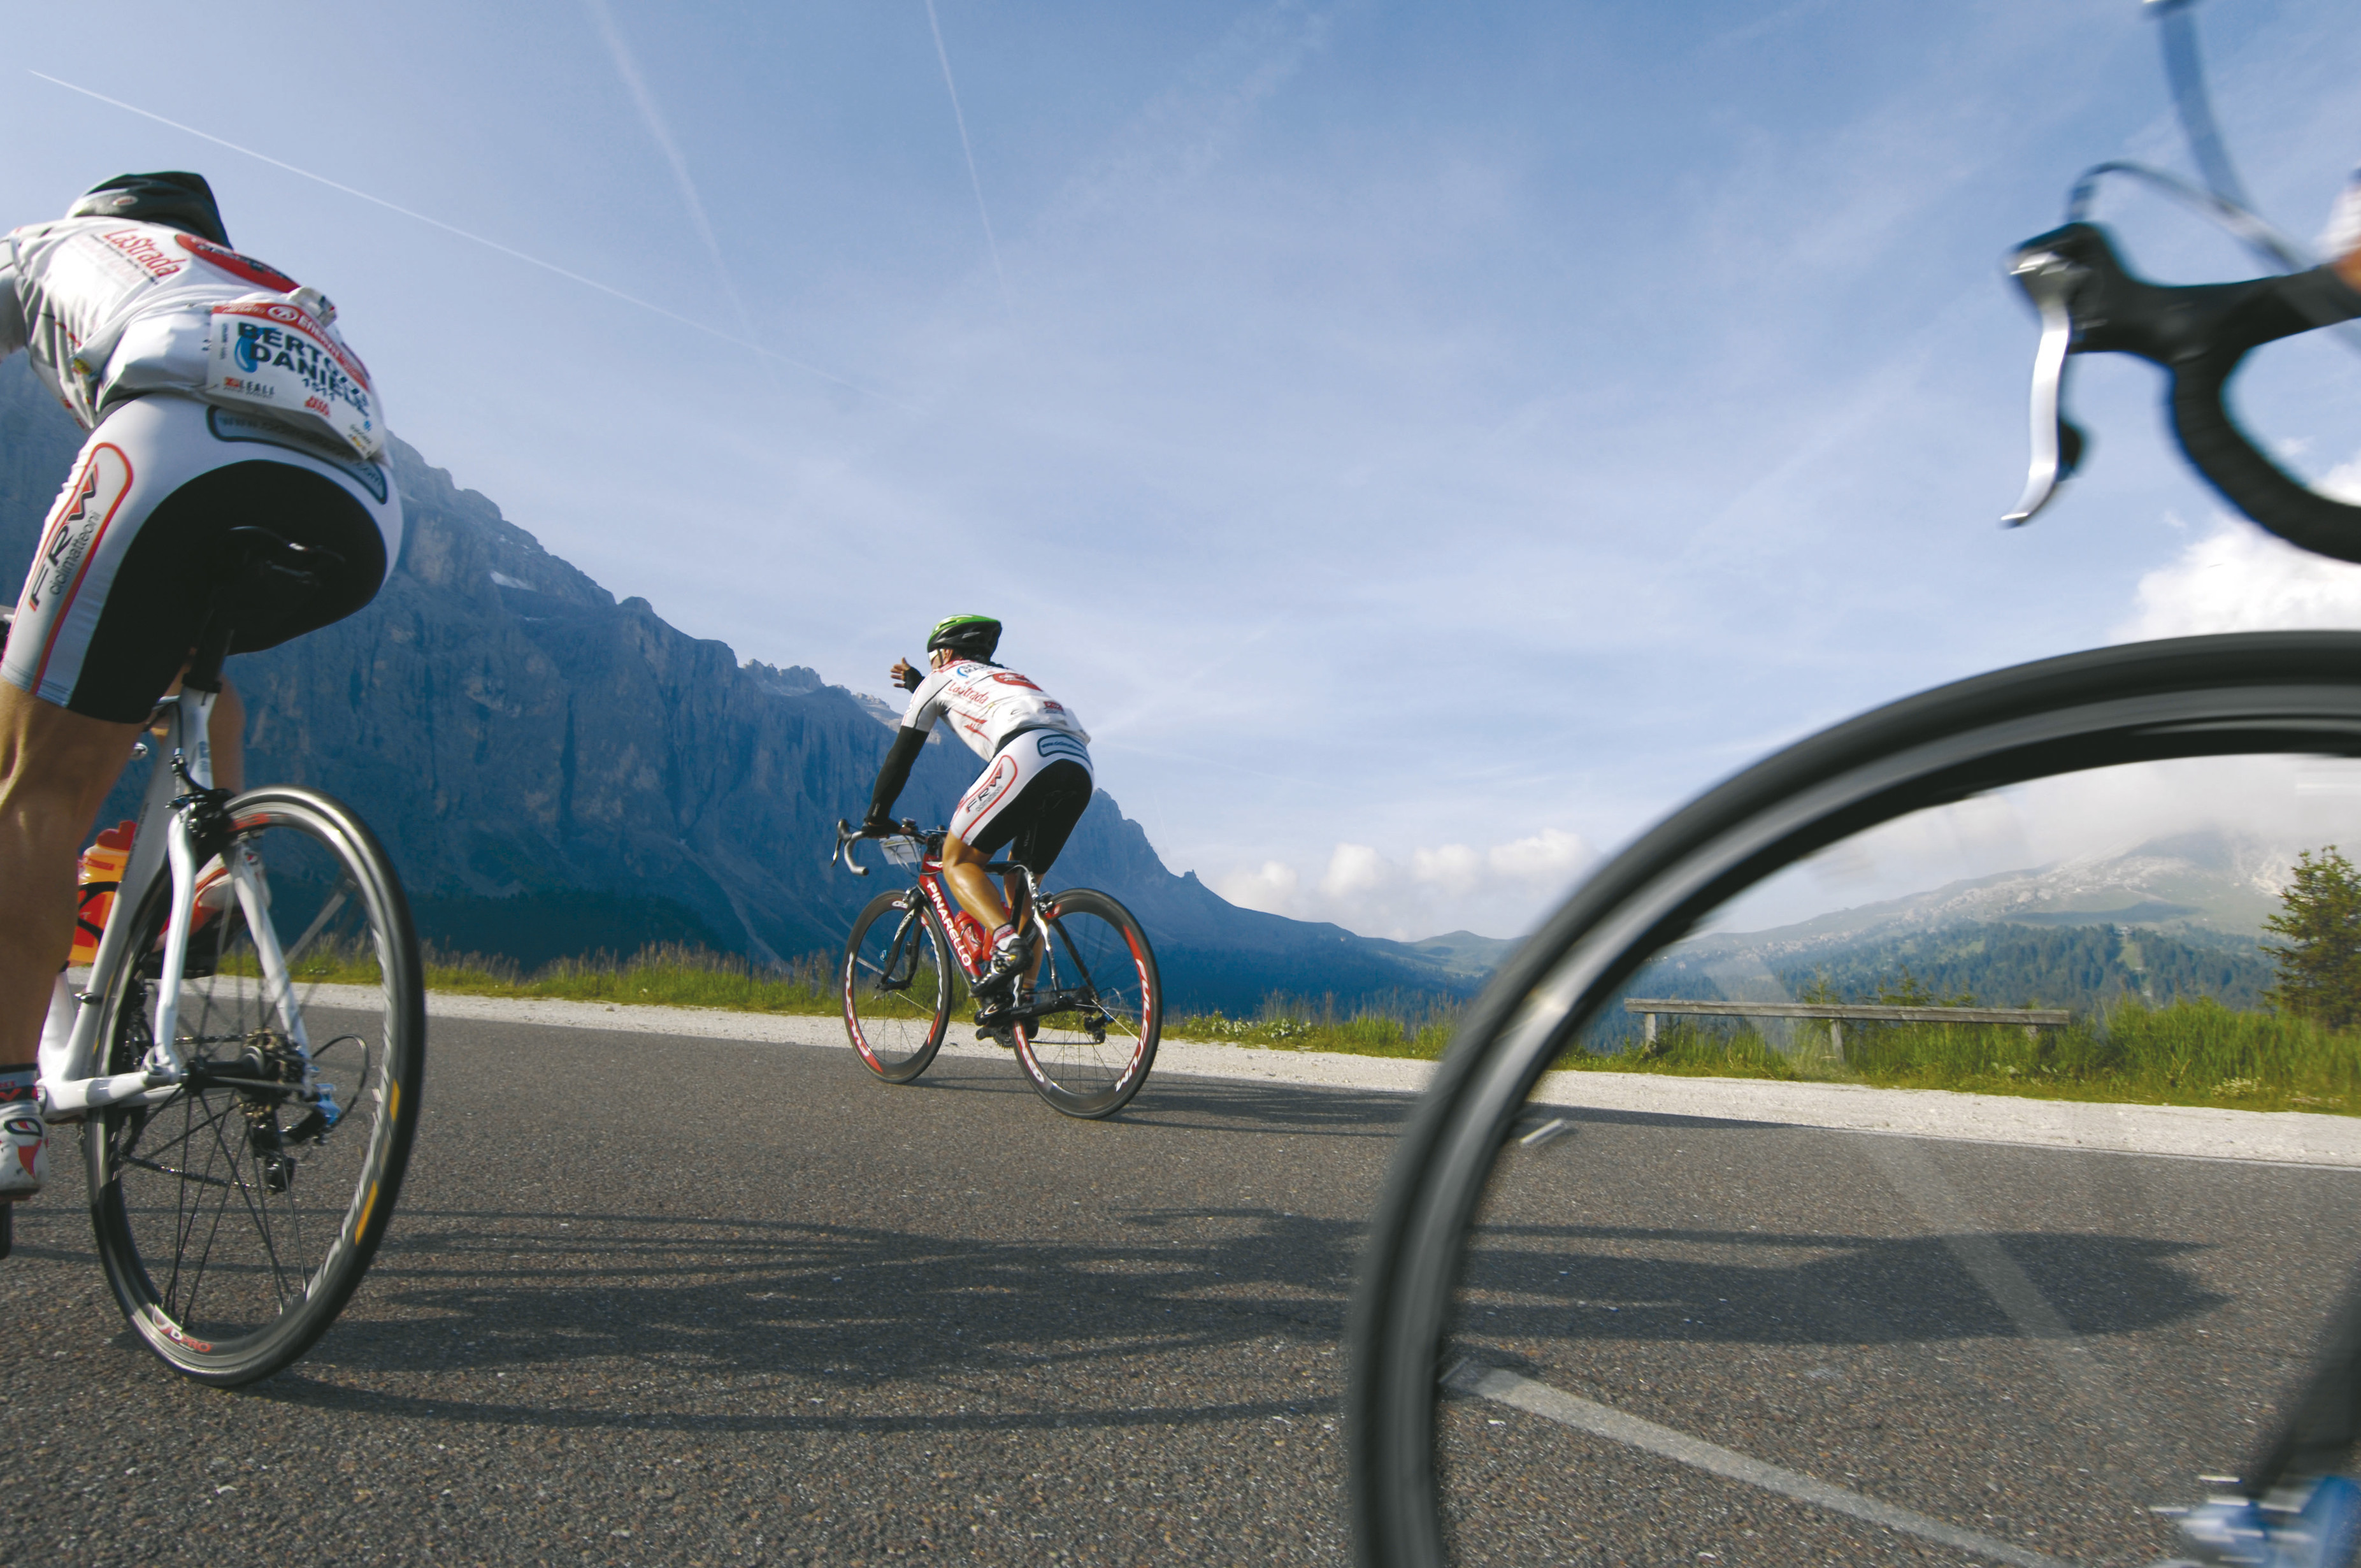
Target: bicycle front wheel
[
  {"x": 897, "y": 986},
  {"x": 1762, "y": 1312},
  {"x": 236, "y": 1217},
  {"x": 1099, "y": 1007}
]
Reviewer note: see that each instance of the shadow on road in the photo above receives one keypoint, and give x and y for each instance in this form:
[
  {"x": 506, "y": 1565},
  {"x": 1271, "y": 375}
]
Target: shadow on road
[
  {"x": 1632, "y": 1283},
  {"x": 1213, "y": 1105},
  {"x": 631, "y": 1299}
]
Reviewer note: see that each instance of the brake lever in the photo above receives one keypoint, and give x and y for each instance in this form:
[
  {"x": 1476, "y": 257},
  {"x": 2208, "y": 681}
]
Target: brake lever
[
  {"x": 845, "y": 838},
  {"x": 2197, "y": 334},
  {"x": 2049, "y": 280}
]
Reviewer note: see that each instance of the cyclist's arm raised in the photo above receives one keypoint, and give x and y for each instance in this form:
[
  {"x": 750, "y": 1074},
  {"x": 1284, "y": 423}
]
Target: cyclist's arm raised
[
  {"x": 917, "y": 722},
  {"x": 892, "y": 774}
]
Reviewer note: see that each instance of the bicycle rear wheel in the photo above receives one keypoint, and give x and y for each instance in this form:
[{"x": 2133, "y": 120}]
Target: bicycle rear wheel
[
  {"x": 234, "y": 1219},
  {"x": 1739, "y": 1333},
  {"x": 1100, "y": 1007},
  {"x": 897, "y": 986}
]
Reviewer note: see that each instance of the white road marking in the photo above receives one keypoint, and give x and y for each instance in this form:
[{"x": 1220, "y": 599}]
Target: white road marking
[
  {"x": 1538, "y": 1399},
  {"x": 1545, "y": 1131}
]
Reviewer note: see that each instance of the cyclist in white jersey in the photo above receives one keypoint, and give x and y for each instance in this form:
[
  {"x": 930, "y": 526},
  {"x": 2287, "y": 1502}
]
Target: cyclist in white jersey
[
  {"x": 217, "y": 394},
  {"x": 1029, "y": 799}
]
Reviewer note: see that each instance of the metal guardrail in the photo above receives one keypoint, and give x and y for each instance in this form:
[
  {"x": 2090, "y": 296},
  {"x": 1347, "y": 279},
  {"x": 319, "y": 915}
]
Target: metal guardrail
[{"x": 1837, "y": 1012}]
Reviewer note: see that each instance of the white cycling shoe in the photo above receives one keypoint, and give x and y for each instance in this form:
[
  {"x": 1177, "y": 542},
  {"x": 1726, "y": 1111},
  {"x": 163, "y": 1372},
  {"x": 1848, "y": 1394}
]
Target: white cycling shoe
[
  {"x": 2319, "y": 1529},
  {"x": 24, "y": 1150}
]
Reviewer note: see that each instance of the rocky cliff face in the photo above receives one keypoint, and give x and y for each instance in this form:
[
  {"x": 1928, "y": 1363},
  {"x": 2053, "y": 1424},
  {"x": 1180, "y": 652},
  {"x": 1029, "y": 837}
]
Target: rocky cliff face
[{"x": 555, "y": 772}]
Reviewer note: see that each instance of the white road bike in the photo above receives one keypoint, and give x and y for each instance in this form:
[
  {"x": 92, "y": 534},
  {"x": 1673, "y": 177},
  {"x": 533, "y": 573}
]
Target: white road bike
[{"x": 250, "y": 1046}]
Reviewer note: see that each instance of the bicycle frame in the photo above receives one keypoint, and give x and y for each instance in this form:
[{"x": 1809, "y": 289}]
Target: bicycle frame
[
  {"x": 930, "y": 881},
  {"x": 166, "y": 836}
]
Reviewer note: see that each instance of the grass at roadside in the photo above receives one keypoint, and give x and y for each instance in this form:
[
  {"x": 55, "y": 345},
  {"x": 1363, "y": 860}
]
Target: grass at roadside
[
  {"x": 665, "y": 976},
  {"x": 2191, "y": 1053}
]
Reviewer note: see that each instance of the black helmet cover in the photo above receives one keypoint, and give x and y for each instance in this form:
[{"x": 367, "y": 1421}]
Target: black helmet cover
[{"x": 175, "y": 197}]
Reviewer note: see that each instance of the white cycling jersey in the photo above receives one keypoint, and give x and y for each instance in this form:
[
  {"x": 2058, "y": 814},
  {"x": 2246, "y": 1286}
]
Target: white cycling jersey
[
  {"x": 112, "y": 310},
  {"x": 986, "y": 704}
]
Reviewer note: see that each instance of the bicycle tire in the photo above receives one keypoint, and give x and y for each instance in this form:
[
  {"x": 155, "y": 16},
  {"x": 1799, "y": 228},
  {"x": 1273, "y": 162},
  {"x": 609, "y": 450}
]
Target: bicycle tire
[
  {"x": 897, "y": 985},
  {"x": 1090, "y": 1050},
  {"x": 2273, "y": 692},
  {"x": 219, "y": 1260}
]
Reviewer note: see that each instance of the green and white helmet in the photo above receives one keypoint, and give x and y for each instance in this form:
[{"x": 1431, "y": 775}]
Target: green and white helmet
[{"x": 969, "y": 636}]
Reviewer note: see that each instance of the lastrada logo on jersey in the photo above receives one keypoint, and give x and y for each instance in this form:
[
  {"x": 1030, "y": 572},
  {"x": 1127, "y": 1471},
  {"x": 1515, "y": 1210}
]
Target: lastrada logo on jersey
[{"x": 137, "y": 247}]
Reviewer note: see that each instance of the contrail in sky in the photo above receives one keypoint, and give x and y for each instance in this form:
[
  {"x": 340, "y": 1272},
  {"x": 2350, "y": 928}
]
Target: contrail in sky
[
  {"x": 489, "y": 243},
  {"x": 628, "y": 68},
  {"x": 991, "y": 244}
]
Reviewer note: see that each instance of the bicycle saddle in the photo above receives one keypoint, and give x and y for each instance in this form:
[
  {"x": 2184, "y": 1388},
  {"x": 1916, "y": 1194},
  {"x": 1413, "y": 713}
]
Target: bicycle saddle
[{"x": 260, "y": 579}]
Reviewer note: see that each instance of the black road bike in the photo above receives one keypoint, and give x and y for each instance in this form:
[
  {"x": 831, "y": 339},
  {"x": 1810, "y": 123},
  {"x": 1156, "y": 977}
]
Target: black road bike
[{"x": 1662, "y": 1338}]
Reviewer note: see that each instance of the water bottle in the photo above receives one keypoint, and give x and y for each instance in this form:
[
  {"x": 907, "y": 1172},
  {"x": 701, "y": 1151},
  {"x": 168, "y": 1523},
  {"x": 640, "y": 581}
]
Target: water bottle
[
  {"x": 96, "y": 877},
  {"x": 973, "y": 938}
]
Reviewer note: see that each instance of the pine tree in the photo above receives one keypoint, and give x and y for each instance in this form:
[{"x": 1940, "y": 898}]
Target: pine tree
[{"x": 2320, "y": 966}]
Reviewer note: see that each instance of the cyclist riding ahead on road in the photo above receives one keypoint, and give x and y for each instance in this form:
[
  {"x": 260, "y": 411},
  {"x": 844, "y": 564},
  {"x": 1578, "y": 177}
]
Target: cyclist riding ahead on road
[
  {"x": 1036, "y": 789},
  {"x": 217, "y": 394}
]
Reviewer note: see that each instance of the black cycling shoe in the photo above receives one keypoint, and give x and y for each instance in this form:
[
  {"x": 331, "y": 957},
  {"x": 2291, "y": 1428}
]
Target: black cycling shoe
[{"x": 997, "y": 1021}]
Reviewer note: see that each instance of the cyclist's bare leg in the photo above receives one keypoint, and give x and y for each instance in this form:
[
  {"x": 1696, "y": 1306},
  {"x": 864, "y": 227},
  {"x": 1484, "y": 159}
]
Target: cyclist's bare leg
[
  {"x": 55, "y": 770},
  {"x": 971, "y": 885}
]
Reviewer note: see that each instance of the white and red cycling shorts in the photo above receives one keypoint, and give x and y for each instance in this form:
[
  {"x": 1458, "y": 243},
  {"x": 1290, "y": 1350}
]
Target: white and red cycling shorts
[
  {"x": 113, "y": 604},
  {"x": 1030, "y": 797}
]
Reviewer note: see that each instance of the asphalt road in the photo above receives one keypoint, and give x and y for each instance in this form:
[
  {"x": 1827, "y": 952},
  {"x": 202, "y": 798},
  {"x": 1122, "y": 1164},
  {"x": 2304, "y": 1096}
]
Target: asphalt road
[
  {"x": 662, "y": 1301},
  {"x": 696, "y": 1301}
]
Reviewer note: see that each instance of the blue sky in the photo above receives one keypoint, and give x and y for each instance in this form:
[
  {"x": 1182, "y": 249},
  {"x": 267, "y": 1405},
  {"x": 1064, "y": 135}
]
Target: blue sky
[{"x": 1425, "y": 443}]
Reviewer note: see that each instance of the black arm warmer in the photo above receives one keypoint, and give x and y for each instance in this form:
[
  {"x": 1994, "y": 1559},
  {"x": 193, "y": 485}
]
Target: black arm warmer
[{"x": 894, "y": 771}]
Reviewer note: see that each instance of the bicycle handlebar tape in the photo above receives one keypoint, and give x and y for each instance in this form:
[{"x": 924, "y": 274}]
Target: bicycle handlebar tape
[
  {"x": 2221, "y": 450},
  {"x": 2197, "y": 334}
]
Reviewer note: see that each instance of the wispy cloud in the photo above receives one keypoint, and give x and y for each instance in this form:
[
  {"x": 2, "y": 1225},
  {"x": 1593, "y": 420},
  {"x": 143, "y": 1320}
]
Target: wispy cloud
[
  {"x": 627, "y": 67},
  {"x": 1189, "y": 127},
  {"x": 473, "y": 238},
  {"x": 967, "y": 147}
]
